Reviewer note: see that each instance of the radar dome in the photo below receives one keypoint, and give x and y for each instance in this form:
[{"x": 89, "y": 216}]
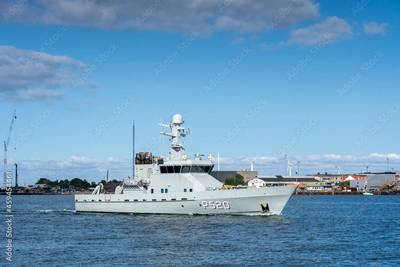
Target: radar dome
[{"x": 177, "y": 119}]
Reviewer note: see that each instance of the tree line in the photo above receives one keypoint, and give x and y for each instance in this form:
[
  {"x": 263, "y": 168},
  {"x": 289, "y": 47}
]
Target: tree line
[{"x": 75, "y": 182}]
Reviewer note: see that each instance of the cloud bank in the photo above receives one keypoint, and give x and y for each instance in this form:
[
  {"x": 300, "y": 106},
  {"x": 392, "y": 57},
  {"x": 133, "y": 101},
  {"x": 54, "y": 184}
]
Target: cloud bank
[
  {"x": 327, "y": 31},
  {"x": 169, "y": 15},
  {"x": 375, "y": 28},
  {"x": 32, "y": 75}
]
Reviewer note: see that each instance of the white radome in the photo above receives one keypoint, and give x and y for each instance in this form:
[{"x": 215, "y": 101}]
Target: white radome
[{"x": 177, "y": 119}]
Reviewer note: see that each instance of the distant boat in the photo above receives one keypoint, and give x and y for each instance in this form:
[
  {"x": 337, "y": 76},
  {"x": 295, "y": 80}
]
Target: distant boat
[{"x": 368, "y": 194}]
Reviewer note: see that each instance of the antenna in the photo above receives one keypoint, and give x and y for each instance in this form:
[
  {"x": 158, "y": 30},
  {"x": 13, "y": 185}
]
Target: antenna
[
  {"x": 298, "y": 167},
  {"x": 286, "y": 164},
  {"x": 133, "y": 150},
  {"x": 16, "y": 175},
  {"x": 388, "y": 164}
]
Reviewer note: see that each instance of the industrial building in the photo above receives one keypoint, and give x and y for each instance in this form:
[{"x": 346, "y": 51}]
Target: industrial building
[{"x": 373, "y": 181}]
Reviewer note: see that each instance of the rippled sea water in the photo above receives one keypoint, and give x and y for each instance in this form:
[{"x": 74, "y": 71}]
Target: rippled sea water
[{"x": 313, "y": 231}]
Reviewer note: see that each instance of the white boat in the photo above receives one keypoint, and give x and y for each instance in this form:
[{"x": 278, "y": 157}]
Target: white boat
[
  {"x": 179, "y": 185},
  {"x": 368, "y": 194}
]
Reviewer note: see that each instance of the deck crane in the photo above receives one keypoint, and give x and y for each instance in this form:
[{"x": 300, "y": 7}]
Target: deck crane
[{"x": 6, "y": 145}]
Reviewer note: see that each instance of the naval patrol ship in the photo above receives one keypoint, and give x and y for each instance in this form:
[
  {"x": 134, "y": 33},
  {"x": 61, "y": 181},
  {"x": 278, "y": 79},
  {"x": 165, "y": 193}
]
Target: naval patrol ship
[{"x": 177, "y": 184}]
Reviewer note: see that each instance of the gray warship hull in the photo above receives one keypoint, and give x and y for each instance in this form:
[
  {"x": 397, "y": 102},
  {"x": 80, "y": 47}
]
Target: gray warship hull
[{"x": 246, "y": 201}]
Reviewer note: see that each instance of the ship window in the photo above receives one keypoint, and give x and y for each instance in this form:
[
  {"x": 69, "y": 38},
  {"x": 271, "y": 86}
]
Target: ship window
[
  {"x": 152, "y": 191},
  {"x": 185, "y": 190},
  {"x": 126, "y": 200},
  {"x": 196, "y": 169},
  {"x": 185, "y": 169},
  {"x": 162, "y": 190},
  {"x": 177, "y": 169},
  {"x": 135, "y": 200},
  {"x": 163, "y": 169},
  {"x": 173, "y": 199},
  {"x": 170, "y": 169},
  {"x": 191, "y": 190},
  {"x": 163, "y": 199},
  {"x": 144, "y": 200},
  {"x": 208, "y": 169},
  {"x": 166, "y": 190},
  {"x": 184, "y": 198}
]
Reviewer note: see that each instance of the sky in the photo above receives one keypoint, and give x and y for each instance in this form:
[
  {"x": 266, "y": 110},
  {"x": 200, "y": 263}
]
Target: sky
[{"x": 254, "y": 80}]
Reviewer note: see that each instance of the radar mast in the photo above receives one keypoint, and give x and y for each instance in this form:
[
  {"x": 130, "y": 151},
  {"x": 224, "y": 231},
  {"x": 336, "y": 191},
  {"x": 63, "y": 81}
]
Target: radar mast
[{"x": 177, "y": 150}]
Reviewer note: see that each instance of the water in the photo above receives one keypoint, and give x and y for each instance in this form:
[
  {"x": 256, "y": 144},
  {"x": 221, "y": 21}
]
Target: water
[{"x": 314, "y": 231}]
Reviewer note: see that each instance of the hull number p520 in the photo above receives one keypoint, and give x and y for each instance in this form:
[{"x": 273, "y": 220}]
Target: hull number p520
[{"x": 216, "y": 205}]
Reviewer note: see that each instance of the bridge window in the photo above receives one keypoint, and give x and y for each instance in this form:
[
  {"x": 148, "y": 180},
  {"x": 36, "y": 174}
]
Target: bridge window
[
  {"x": 208, "y": 169},
  {"x": 185, "y": 169},
  {"x": 166, "y": 190},
  {"x": 185, "y": 190},
  {"x": 197, "y": 168},
  {"x": 177, "y": 169},
  {"x": 152, "y": 191},
  {"x": 191, "y": 190},
  {"x": 162, "y": 190}
]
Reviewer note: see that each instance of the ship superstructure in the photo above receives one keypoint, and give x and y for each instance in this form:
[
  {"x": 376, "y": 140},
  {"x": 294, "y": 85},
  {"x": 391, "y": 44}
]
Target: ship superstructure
[{"x": 177, "y": 184}]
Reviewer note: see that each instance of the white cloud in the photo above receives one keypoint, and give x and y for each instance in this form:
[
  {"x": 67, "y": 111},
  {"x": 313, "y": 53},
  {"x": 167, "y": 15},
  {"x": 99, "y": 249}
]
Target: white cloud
[
  {"x": 315, "y": 163},
  {"x": 374, "y": 28},
  {"x": 32, "y": 75},
  {"x": 74, "y": 166},
  {"x": 175, "y": 15},
  {"x": 327, "y": 31}
]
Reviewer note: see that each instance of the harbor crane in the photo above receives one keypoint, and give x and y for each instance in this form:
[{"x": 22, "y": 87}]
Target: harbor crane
[{"x": 7, "y": 144}]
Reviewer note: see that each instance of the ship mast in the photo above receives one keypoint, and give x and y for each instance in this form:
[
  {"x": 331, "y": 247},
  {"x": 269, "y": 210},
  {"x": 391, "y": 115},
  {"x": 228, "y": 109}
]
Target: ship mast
[{"x": 177, "y": 150}]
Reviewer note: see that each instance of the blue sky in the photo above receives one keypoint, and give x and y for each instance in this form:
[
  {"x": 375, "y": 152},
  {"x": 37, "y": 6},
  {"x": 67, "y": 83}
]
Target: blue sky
[{"x": 317, "y": 80}]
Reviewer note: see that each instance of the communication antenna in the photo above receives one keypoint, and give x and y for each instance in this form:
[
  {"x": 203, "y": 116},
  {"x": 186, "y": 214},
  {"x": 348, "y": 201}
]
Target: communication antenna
[
  {"x": 285, "y": 158},
  {"x": 16, "y": 175},
  {"x": 133, "y": 150},
  {"x": 298, "y": 167},
  {"x": 388, "y": 165}
]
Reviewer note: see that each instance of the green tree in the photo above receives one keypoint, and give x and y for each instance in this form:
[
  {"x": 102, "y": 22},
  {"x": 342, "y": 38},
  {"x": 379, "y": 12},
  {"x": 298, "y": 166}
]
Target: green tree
[
  {"x": 63, "y": 184},
  {"x": 237, "y": 180},
  {"x": 44, "y": 181},
  {"x": 79, "y": 183},
  {"x": 344, "y": 184}
]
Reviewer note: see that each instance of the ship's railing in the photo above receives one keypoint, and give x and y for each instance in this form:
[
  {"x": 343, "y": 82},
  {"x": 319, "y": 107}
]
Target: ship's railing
[{"x": 230, "y": 187}]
